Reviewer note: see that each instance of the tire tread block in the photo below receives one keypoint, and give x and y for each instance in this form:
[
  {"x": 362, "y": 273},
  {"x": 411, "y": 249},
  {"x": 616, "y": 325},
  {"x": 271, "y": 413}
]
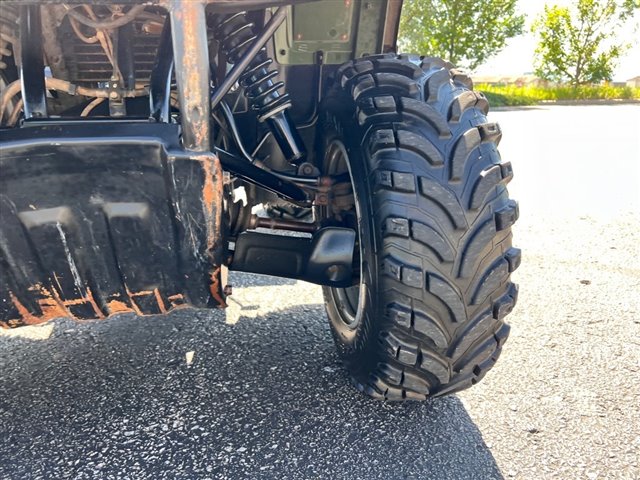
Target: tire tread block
[
  {"x": 482, "y": 237},
  {"x": 421, "y": 146},
  {"x": 445, "y": 292},
  {"x": 445, "y": 199},
  {"x": 495, "y": 276},
  {"x": 431, "y": 238}
]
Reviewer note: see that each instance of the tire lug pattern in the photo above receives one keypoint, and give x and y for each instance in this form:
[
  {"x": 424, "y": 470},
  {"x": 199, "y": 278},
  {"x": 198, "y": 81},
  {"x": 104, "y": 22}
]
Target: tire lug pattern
[{"x": 442, "y": 219}]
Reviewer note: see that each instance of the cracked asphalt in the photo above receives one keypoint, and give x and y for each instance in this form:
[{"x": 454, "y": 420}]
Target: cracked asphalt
[{"x": 264, "y": 394}]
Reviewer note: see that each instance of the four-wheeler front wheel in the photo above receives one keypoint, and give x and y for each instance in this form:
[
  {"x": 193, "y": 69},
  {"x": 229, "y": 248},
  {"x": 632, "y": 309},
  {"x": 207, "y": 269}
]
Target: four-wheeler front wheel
[{"x": 433, "y": 217}]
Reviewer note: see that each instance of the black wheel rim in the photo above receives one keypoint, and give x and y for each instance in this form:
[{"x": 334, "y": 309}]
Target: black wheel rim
[{"x": 349, "y": 301}]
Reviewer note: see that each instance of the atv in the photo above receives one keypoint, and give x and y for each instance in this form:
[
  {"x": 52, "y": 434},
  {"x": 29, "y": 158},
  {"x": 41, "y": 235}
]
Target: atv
[{"x": 139, "y": 140}]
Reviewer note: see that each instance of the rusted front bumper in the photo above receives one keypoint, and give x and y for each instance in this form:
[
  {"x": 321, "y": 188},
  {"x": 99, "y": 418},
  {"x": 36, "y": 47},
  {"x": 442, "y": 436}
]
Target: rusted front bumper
[{"x": 104, "y": 218}]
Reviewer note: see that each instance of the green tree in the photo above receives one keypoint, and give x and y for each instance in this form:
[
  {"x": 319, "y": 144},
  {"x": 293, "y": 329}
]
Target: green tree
[
  {"x": 465, "y": 32},
  {"x": 579, "y": 44}
]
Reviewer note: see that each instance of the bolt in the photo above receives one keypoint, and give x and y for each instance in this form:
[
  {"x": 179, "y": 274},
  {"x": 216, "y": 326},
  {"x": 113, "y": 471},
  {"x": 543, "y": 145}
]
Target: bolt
[
  {"x": 336, "y": 272},
  {"x": 228, "y": 290},
  {"x": 113, "y": 95},
  {"x": 307, "y": 169}
]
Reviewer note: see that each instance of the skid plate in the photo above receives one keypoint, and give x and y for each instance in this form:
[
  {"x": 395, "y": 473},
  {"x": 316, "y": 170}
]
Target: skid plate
[{"x": 106, "y": 218}]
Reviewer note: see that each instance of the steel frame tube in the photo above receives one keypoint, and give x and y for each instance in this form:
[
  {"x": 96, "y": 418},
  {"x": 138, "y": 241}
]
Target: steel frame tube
[
  {"x": 32, "y": 80},
  {"x": 126, "y": 62},
  {"x": 160, "y": 82},
  {"x": 191, "y": 56},
  {"x": 233, "y": 129},
  {"x": 262, "y": 178}
]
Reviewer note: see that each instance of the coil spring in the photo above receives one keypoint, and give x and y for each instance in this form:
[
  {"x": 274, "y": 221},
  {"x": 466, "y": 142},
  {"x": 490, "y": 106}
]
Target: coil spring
[
  {"x": 235, "y": 34},
  {"x": 8, "y": 32}
]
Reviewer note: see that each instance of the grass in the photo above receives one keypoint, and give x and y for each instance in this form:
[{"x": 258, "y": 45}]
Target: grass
[{"x": 513, "y": 95}]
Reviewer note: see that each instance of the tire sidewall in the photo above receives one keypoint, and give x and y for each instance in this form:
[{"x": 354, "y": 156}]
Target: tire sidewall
[{"x": 357, "y": 345}]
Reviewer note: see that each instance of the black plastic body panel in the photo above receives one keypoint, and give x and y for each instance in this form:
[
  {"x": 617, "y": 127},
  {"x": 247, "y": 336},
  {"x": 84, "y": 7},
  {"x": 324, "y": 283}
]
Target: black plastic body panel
[
  {"x": 324, "y": 259},
  {"x": 98, "y": 218}
]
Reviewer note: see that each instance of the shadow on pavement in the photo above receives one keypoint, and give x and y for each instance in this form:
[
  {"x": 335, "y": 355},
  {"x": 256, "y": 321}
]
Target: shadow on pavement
[{"x": 265, "y": 398}]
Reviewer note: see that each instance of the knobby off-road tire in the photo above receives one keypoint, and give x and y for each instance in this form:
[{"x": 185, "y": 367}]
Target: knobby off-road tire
[{"x": 434, "y": 225}]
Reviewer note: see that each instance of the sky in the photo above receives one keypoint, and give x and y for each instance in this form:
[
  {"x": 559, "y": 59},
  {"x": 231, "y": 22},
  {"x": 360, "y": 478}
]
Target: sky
[{"x": 517, "y": 57}]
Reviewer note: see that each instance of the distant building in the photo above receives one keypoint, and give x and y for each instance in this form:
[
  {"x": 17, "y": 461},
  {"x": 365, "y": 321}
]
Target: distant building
[{"x": 634, "y": 82}]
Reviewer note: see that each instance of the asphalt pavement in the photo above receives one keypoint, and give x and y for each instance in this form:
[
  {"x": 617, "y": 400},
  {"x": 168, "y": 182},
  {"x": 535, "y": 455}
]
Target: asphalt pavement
[{"x": 258, "y": 391}]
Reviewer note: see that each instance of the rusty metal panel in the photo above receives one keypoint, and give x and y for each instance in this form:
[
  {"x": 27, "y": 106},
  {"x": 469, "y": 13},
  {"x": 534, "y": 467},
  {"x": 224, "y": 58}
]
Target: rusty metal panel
[{"x": 106, "y": 218}]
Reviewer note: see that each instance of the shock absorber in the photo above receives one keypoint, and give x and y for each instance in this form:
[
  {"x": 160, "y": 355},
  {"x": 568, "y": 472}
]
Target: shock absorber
[{"x": 236, "y": 34}]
